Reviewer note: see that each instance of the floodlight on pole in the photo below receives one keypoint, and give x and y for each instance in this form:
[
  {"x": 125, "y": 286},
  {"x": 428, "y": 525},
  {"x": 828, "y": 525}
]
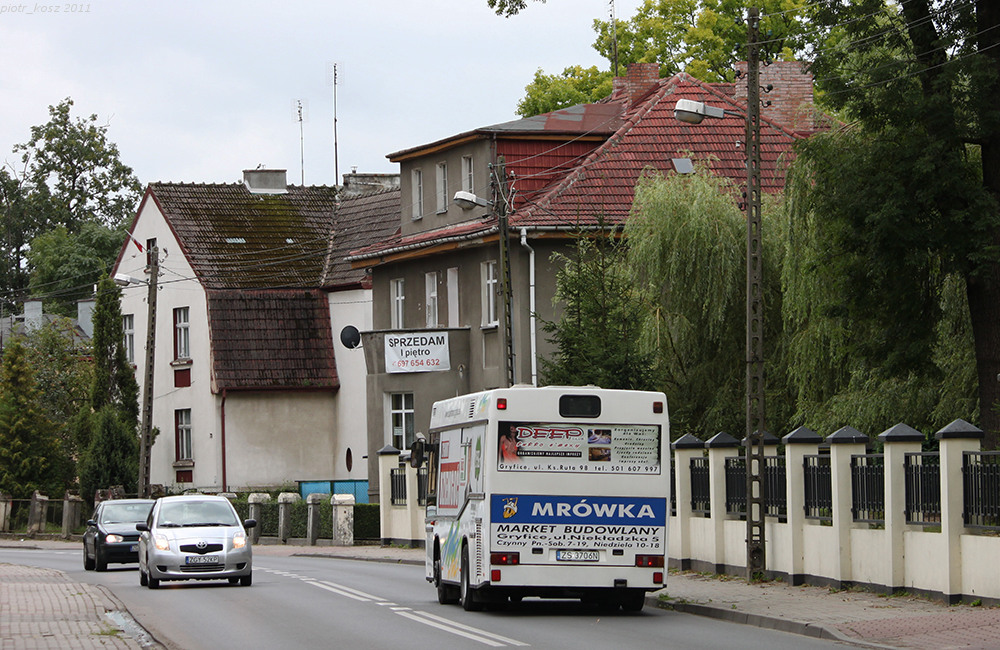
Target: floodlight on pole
[
  {"x": 692, "y": 112},
  {"x": 468, "y": 200}
]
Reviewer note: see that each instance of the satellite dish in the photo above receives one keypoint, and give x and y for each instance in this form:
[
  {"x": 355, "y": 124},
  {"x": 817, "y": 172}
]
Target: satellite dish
[{"x": 350, "y": 337}]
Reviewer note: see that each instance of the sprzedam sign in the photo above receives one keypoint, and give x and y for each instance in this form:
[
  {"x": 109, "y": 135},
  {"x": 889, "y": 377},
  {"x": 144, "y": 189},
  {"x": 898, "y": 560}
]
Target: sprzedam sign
[{"x": 417, "y": 352}]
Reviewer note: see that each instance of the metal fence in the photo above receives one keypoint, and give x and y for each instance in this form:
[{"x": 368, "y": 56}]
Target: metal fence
[
  {"x": 922, "y": 472},
  {"x": 868, "y": 488},
  {"x": 818, "y": 487},
  {"x": 981, "y": 480},
  {"x": 422, "y": 475},
  {"x": 775, "y": 493},
  {"x": 700, "y": 487},
  {"x": 397, "y": 480}
]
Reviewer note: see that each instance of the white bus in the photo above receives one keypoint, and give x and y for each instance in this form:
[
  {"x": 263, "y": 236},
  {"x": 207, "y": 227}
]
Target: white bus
[{"x": 555, "y": 492}]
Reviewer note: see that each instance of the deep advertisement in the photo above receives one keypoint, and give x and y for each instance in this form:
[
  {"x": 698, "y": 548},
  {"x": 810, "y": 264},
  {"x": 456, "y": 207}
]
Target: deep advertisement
[
  {"x": 523, "y": 521},
  {"x": 579, "y": 448}
]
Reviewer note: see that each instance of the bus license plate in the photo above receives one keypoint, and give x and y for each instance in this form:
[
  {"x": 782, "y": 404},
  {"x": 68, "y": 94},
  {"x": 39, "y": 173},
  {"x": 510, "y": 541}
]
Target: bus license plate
[
  {"x": 202, "y": 559},
  {"x": 564, "y": 555}
]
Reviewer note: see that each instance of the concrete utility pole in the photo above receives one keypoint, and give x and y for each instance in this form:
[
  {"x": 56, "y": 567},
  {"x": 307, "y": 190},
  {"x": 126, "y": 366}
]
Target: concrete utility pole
[
  {"x": 501, "y": 192},
  {"x": 756, "y": 559},
  {"x": 145, "y": 436}
]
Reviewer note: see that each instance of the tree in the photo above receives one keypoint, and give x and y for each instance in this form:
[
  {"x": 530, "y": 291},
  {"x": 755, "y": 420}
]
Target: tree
[
  {"x": 705, "y": 38},
  {"x": 20, "y": 219},
  {"x": 106, "y": 428},
  {"x": 687, "y": 247},
  {"x": 65, "y": 265},
  {"x": 597, "y": 337},
  {"x": 29, "y": 451},
  {"x": 576, "y": 85},
  {"x": 907, "y": 194},
  {"x": 82, "y": 170},
  {"x": 63, "y": 372}
]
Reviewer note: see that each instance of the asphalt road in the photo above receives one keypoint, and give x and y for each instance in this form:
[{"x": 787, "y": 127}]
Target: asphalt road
[{"x": 308, "y": 602}]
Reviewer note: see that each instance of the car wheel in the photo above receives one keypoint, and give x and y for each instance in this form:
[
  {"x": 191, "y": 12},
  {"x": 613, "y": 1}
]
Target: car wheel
[
  {"x": 143, "y": 579},
  {"x": 247, "y": 580},
  {"x": 633, "y": 600},
  {"x": 446, "y": 593},
  {"x": 100, "y": 563},
  {"x": 88, "y": 564},
  {"x": 466, "y": 595},
  {"x": 152, "y": 583}
]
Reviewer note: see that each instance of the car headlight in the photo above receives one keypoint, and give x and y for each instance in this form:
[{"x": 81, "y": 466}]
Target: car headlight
[
  {"x": 113, "y": 539},
  {"x": 239, "y": 540},
  {"x": 161, "y": 542}
]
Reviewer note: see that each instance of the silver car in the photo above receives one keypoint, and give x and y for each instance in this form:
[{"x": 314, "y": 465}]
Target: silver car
[{"x": 194, "y": 537}]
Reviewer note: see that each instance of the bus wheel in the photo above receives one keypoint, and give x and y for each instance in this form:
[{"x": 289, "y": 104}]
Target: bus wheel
[
  {"x": 633, "y": 600},
  {"x": 466, "y": 595},
  {"x": 446, "y": 593}
]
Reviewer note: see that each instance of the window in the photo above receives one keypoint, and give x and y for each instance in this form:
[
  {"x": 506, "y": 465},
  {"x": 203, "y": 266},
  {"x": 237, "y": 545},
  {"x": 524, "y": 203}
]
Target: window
[
  {"x": 453, "y": 297},
  {"x": 182, "y": 428},
  {"x": 468, "y": 183},
  {"x": 431, "y": 298},
  {"x": 398, "y": 304},
  {"x": 442, "y": 187},
  {"x": 182, "y": 340},
  {"x": 417, "y": 186},
  {"x": 150, "y": 245},
  {"x": 128, "y": 327},
  {"x": 401, "y": 415},
  {"x": 489, "y": 273}
]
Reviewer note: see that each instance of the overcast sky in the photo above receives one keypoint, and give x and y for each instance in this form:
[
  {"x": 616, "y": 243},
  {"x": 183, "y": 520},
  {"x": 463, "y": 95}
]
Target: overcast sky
[{"x": 199, "y": 91}]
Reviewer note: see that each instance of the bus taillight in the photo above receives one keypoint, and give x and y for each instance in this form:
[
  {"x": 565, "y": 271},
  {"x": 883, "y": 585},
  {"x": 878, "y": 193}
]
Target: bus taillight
[
  {"x": 507, "y": 558},
  {"x": 657, "y": 407},
  {"x": 649, "y": 560},
  {"x": 501, "y": 403}
]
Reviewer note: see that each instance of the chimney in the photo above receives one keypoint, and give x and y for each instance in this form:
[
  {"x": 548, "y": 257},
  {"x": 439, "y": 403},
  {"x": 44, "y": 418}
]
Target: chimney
[
  {"x": 265, "y": 181},
  {"x": 85, "y": 315},
  {"x": 791, "y": 95},
  {"x": 642, "y": 77},
  {"x": 32, "y": 315}
]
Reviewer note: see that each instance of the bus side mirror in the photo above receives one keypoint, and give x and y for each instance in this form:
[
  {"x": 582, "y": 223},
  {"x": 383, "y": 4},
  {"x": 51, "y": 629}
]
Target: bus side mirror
[{"x": 417, "y": 453}]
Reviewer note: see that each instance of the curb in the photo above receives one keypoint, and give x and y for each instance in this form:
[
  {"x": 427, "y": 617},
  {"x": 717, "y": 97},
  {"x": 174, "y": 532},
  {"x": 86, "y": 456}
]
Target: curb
[{"x": 814, "y": 630}]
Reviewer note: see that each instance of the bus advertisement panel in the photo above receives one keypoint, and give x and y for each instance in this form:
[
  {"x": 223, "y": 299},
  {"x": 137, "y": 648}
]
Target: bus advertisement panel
[{"x": 603, "y": 449}]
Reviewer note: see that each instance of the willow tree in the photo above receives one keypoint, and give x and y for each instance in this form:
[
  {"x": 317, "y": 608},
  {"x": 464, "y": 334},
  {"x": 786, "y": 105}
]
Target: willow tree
[{"x": 687, "y": 249}]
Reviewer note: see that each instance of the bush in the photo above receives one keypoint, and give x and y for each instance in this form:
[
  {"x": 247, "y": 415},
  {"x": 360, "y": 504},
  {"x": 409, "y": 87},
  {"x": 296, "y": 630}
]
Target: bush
[{"x": 366, "y": 521}]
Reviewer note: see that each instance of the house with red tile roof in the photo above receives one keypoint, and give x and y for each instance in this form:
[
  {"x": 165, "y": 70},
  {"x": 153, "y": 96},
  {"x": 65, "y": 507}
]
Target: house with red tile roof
[
  {"x": 569, "y": 170},
  {"x": 249, "y": 387}
]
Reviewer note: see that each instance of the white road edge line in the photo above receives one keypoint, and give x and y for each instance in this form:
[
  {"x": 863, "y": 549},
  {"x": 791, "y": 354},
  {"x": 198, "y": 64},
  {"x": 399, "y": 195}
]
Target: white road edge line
[
  {"x": 448, "y": 628},
  {"x": 448, "y": 621},
  {"x": 353, "y": 591},
  {"x": 336, "y": 591}
]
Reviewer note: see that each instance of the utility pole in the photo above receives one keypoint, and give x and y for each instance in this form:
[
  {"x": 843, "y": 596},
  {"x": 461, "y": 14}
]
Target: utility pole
[
  {"x": 500, "y": 194},
  {"x": 145, "y": 436},
  {"x": 756, "y": 563}
]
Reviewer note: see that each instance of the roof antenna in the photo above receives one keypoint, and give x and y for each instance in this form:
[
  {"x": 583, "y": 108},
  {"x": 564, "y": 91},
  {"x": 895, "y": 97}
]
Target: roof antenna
[
  {"x": 302, "y": 143},
  {"x": 614, "y": 38},
  {"x": 333, "y": 78}
]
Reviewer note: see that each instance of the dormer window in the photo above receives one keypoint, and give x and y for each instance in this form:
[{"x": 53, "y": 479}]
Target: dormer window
[
  {"x": 442, "y": 187},
  {"x": 417, "y": 187}
]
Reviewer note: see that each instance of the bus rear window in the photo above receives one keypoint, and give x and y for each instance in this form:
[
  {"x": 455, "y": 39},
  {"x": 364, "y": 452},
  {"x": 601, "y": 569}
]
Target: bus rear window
[{"x": 579, "y": 406}]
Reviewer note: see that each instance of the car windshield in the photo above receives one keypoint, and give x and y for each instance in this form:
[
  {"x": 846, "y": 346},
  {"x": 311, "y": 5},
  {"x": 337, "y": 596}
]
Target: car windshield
[
  {"x": 197, "y": 513},
  {"x": 124, "y": 513}
]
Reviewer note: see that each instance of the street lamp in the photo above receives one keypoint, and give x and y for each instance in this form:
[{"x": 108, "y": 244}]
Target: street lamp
[
  {"x": 145, "y": 435},
  {"x": 693, "y": 112},
  {"x": 468, "y": 201}
]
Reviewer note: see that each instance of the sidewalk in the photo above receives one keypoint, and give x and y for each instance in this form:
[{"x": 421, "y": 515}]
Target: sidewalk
[{"x": 40, "y": 608}]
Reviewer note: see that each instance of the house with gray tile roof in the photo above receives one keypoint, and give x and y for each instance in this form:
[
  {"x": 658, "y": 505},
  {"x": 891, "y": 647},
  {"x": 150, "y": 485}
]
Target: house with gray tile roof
[{"x": 248, "y": 387}]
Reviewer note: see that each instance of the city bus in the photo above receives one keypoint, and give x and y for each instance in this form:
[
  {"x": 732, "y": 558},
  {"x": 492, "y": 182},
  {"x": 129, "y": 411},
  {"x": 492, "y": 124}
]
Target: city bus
[{"x": 554, "y": 492}]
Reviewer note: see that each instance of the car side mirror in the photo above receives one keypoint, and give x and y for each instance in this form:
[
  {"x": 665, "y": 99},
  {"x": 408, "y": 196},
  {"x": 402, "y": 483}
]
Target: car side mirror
[
  {"x": 142, "y": 526},
  {"x": 249, "y": 523},
  {"x": 91, "y": 522},
  {"x": 417, "y": 451}
]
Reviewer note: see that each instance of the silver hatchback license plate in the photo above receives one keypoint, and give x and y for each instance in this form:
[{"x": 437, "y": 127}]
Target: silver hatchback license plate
[
  {"x": 565, "y": 555},
  {"x": 201, "y": 559}
]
